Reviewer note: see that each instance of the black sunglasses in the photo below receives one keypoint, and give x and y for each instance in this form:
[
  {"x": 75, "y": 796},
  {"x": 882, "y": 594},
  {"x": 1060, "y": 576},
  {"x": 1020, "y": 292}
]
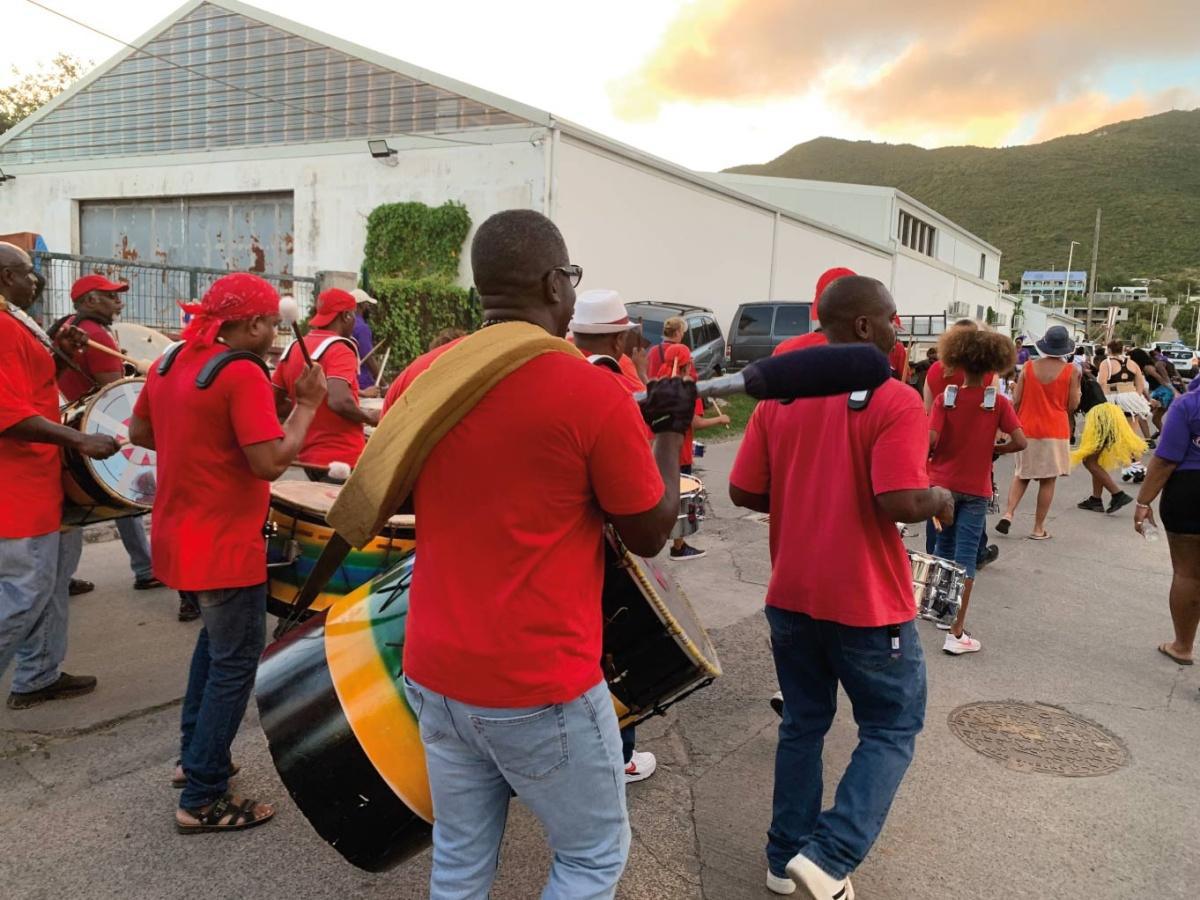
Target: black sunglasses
[{"x": 572, "y": 272}]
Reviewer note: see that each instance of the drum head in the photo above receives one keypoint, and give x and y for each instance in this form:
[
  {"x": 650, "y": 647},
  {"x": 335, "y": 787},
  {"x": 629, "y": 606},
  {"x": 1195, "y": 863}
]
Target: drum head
[
  {"x": 130, "y": 474},
  {"x": 675, "y": 610},
  {"x": 142, "y": 343},
  {"x": 315, "y": 500},
  {"x": 689, "y": 484}
]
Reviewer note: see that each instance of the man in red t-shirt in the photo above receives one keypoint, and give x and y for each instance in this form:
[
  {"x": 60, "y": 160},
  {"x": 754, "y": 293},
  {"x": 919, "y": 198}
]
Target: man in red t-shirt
[
  {"x": 97, "y": 302},
  {"x": 211, "y": 418},
  {"x": 836, "y": 474},
  {"x": 336, "y": 434},
  {"x": 36, "y": 560},
  {"x": 504, "y": 632}
]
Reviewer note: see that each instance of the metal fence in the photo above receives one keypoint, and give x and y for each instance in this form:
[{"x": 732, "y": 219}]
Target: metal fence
[{"x": 155, "y": 289}]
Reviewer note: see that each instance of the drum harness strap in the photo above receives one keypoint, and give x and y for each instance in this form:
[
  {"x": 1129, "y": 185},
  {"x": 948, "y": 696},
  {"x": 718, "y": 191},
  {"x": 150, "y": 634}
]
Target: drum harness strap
[
  {"x": 212, "y": 368},
  {"x": 322, "y": 347}
]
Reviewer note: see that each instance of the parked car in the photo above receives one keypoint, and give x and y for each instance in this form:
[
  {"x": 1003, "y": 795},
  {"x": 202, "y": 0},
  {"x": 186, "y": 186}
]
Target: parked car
[
  {"x": 758, "y": 328},
  {"x": 703, "y": 335},
  {"x": 1183, "y": 359}
]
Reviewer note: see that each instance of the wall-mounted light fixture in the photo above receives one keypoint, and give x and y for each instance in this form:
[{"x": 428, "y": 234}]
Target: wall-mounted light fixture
[{"x": 379, "y": 149}]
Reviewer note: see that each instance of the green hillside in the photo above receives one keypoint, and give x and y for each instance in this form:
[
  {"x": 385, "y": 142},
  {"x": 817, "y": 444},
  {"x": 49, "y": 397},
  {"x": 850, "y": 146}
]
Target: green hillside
[{"x": 1031, "y": 201}]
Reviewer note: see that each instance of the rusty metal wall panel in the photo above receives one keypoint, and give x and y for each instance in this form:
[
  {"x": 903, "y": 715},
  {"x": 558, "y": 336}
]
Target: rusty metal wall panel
[{"x": 243, "y": 233}]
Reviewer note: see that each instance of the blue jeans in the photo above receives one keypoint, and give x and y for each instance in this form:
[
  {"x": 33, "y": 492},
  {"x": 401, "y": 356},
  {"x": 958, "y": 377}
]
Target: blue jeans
[
  {"x": 219, "y": 685},
  {"x": 960, "y": 540},
  {"x": 886, "y": 688},
  {"x": 563, "y": 761},
  {"x": 34, "y": 576},
  {"x": 137, "y": 545},
  {"x": 628, "y": 743},
  {"x": 931, "y": 541}
]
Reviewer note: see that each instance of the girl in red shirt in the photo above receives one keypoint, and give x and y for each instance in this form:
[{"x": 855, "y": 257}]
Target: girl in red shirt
[{"x": 963, "y": 425}]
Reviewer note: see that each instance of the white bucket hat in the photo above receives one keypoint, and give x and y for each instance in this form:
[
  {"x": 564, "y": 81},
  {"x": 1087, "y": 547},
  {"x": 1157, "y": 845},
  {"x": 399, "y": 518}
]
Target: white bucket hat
[{"x": 600, "y": 311}]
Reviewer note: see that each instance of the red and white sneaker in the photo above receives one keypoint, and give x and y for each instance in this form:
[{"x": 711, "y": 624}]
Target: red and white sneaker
[
  {"x": 641, "y": 766},
  {"x": 957, "y": 646}
]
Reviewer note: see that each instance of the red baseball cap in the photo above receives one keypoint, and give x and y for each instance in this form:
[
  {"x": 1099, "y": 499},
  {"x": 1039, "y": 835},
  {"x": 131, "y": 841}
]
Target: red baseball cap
[
  {"x": 95, "y": 283},
  {"x": 828, "y": 277},
  {"x": 330, "y": 303}
]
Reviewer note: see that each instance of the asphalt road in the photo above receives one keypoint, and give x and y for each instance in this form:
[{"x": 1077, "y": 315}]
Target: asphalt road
[{"x": 1072, "y": 622}]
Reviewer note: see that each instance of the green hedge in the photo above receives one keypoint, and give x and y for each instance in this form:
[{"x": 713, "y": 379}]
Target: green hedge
[
  {"x": 412, "y": 240},
  {"x": 412, "y": 311}
]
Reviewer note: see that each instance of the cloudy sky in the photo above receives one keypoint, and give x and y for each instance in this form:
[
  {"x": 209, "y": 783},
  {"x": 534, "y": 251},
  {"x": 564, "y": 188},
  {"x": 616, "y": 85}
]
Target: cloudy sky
[{"x": 713, "y": 83}]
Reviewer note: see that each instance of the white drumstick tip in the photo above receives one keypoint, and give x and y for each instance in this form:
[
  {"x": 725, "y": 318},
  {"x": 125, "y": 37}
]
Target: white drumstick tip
[
  {"x": 339, "y": 471},
  {"x": 289, "y": 309}
]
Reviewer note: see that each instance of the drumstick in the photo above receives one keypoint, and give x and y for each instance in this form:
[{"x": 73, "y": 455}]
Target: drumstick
[
  {"x": 136, "y": 363},
  {"x": 937, "y": 523},
  {"x": 675, "y": 367},
  {"x": 300, "y": 340},
  {"x": 376, "y": 347},
  {"x": 383, "y": 367},
  {"x": 717, "y": 408}
]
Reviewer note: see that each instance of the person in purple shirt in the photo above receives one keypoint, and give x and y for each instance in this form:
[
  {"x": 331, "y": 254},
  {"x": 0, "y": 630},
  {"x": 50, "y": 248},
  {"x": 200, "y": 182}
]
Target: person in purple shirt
[
  {"x": 365, "y": 338},
  {"x": 1023, "y": 353},
  {"x": 1175, "y": 471}
]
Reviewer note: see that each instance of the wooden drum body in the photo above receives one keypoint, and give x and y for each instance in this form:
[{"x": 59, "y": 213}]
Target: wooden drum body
[
  {"x": 346, "y": 744},
  {"x": 298, "y": 534}
]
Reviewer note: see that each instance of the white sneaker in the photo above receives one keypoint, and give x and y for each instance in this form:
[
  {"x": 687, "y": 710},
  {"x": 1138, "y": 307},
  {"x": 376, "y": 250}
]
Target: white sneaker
[
  {"x": 641, "y": 766},
  {"x": 777, "y": 885},
  {"x": 777, "y": 703},
  {"x": 943, "y": 626},
  {"x": 958, "y": 646},
  {"x": 819, "y": 884}
]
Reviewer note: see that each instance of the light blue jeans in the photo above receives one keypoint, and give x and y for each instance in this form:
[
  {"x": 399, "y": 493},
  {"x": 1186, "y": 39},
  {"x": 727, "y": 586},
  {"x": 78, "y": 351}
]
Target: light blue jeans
[
  {"x": 34, "y": 576},
  {"x": 137, "y": 545},
  {"x": 563, "y": 761}
]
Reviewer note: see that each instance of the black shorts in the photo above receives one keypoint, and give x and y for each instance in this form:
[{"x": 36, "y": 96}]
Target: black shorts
[{"x": 1179, "y": 508}]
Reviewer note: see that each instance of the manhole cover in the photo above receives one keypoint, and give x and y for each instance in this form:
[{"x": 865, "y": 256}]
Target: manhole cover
[{"x": 1037, "y": 737}]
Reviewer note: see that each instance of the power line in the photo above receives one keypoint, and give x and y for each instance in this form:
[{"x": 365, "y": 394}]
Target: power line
[{"x": 245, "y": 90}]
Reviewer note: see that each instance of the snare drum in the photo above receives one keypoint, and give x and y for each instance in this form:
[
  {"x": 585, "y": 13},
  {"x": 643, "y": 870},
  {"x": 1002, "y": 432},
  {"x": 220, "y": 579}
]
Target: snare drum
[
  {"x": 297, "y": 533},
  {"x": 370, "y": 404},
  {"x": 347, "y": 745},
  {"x": 693, "y": 506},
  {"x": 938, "y": 586},
  {"x": 123, "y": 485}
]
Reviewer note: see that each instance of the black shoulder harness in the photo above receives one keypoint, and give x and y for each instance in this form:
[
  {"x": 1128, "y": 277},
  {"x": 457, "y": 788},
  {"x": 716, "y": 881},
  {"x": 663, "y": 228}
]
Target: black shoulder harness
[
  {"x": 213, "y": 367},
  {"x": 859, "y": 399}
]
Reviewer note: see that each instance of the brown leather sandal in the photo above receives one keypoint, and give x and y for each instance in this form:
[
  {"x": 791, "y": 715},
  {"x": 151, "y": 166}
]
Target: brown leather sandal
[{"x": 224, "y": 815}]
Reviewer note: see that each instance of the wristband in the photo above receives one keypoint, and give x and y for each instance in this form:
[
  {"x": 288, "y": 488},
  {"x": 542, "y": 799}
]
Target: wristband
[{"x": 1141, "y": 505}]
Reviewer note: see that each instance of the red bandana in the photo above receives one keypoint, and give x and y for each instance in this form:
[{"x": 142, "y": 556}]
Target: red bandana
[{"x": 231, "y": 297}]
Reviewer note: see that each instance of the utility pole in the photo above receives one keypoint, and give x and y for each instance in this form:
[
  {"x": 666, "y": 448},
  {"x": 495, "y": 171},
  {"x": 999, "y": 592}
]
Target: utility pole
[
  {"x": 1095, "y": 257},
  {"x": 1067, "y": 280}
]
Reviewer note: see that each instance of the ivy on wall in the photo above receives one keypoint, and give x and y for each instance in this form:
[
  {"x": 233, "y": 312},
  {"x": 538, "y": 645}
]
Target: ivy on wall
[
  {"x": 413, "y": 310},
  {"x": 410, "y": 265},
  {"x": 412, "y": 240}
]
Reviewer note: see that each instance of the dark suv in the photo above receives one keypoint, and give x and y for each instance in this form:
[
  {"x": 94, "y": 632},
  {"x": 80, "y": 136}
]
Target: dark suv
[
  {"x": 703, "y": 335},
  {"x": 758, "y": 328}
]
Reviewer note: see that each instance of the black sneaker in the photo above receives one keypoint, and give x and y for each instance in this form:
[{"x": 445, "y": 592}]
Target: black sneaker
[
  {"x": 1118, "y": 500},
  {"x": 147, "y": 584},
  {"x": 1094, "y": 504},
  {"x": 188, "y": 611},
  {"x": 777, "y": 703},
  {"x": 66, "y": 686},
  {"x": 686, "y": 553},
  {"x": 79, "y": 586},
  {"x": 990, "y": 555}
]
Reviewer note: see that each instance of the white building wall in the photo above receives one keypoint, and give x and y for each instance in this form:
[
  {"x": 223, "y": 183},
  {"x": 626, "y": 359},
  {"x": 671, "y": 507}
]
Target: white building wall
[
  {"x": 335, "y": 187},
  {"x": 654, "y": 237},
  {"x": 803, "y": 253}
]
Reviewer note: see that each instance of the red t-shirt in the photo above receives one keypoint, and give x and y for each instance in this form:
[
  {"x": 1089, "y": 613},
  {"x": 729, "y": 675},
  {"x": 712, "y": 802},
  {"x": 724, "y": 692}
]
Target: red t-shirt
[
  {"x": 937, "y": 378},
  {"x": 962, "y": 459},
  {"x": 330, "y": 438},
  {"x": 835, "y": 554},
  {"x": 410, "y": 373},
  {"x": 94, "y": 362},
  {"x": 505, "y": 602},
  {"x": 629, "y": 370},
  {"x": 206, "y": 532},
  {"x": 801, "y": 342},
  {"x": 687, "y": 451},
  {"x": 32, "y": 498}
]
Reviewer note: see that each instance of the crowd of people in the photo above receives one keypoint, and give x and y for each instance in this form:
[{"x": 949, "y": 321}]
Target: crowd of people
[{"x": 501, "y": 659}]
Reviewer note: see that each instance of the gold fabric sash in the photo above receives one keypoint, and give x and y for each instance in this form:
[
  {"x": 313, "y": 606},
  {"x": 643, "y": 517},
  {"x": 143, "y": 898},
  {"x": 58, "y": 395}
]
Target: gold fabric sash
[{"x": 433, "y": 404}]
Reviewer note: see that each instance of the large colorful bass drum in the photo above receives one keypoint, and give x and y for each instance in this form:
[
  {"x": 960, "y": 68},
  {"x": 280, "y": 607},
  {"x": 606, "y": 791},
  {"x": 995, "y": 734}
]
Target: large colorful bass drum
[{"x": 347, "y": 746}]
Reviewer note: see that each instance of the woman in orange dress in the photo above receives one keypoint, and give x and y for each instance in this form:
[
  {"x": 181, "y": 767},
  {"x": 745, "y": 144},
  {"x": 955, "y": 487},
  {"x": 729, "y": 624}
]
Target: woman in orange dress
[{"x": 1046, "y": 397}]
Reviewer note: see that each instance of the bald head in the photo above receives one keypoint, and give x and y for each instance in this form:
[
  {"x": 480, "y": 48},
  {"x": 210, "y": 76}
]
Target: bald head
[
  {"x": 857, "y": 309},
  {"x": 514, "y": 260},
  {"x": 18, "y": 284}
]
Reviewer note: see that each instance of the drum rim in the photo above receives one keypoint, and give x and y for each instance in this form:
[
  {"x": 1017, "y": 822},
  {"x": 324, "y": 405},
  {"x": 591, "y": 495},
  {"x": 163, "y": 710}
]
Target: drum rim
[
  {"x": 88, "y": 403},
  {"x": 710, "y": 667},
  {"x": 398, "y": 523}
]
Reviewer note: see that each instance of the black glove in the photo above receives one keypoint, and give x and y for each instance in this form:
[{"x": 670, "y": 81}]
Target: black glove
[{"x": 670, "y": 405}]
